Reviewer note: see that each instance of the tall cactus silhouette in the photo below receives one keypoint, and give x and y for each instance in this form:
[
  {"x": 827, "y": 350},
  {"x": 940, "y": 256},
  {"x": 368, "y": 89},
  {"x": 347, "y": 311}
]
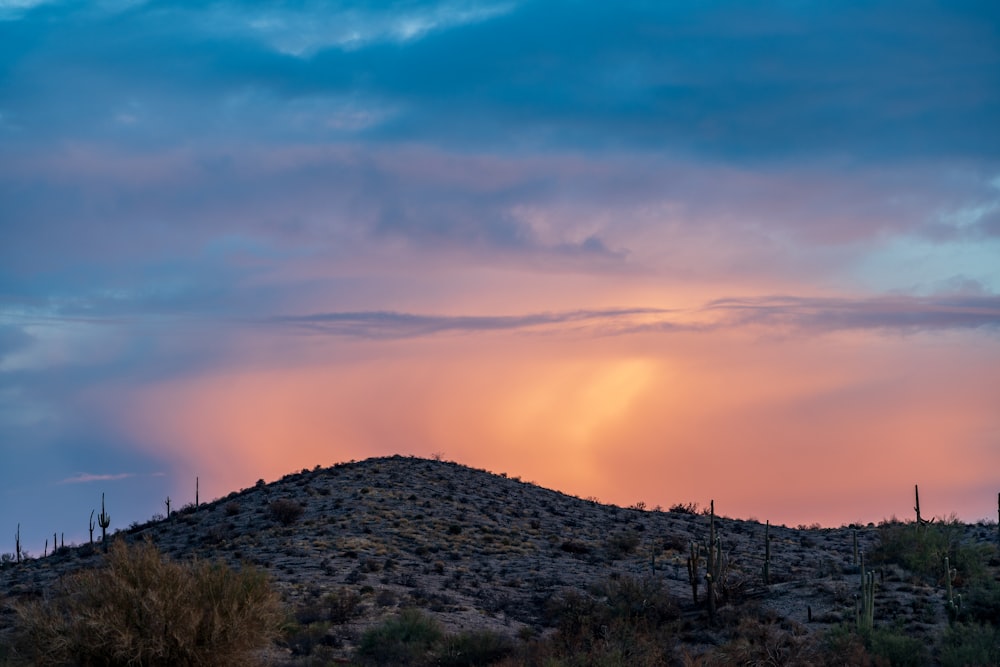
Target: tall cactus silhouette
[
  {"x": 954, "y": 604},
  {"x": 767, "y": 554},
  {"x": 694, "y": 560},
  {"x": 104, "y": 520},
  {"x": 866, "y": 604},
  {"x": 713, "y": 574}
]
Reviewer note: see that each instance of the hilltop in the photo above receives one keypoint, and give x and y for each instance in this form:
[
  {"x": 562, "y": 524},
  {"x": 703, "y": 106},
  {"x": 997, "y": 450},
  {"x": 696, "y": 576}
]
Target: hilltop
[{"x": 354, "y": 543}]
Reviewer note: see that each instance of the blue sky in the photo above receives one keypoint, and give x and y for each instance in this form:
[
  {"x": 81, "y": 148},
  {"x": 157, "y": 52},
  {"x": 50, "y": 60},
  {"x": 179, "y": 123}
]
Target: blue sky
[{"x": 195, "y": 191}]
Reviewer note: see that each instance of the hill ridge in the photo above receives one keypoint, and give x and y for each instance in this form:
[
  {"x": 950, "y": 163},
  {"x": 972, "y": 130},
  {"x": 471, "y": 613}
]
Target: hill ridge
[{"x": 478, "y": 550}]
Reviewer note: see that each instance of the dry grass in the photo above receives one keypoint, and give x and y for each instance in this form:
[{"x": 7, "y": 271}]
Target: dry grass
[{"x": 143, "y": 609}]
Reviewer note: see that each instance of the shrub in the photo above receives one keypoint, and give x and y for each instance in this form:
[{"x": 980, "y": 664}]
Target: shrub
[
  {"x": 629, "y": 620},
  {"x": 285, "y": 511},
  {"x": 303, "y": 639},
  {"x": 405, "y": 639},
  {"x": 475, "y": 647},
  {"x": 898, "y": 649},
  {"x": 621, "y": 544},
  {"x": 982, "y": 605},
  {"x": 684, "y": 508},
  {"x": 337, "y": 607},
  {"x": 921, "y": 549},
  {"x": 842, "y": 645},
  {"x": 643, "y": 601},
  {"x": 342, "y": 605},
  {"x": 142, "y": 609},
  {"x": 970, "y": 645},
  {"x": 574, "y": 547},
  {"x": 765, "y": 639}
]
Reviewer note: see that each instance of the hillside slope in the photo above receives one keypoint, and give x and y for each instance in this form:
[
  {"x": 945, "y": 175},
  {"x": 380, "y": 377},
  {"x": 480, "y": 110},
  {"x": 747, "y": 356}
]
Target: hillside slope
[{"x": 479, "y": 550}]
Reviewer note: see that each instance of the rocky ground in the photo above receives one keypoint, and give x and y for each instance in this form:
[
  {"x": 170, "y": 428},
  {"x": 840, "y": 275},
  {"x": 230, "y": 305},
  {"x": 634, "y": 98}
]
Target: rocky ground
[{"x": 479, "y": 550}]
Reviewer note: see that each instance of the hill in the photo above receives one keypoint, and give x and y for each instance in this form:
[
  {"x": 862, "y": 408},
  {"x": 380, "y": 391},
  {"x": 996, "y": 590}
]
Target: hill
[{"x": 351, "y": 545}]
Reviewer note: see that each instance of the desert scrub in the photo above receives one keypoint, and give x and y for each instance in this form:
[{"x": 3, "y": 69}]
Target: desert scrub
[
  {"x": 623, "y": 621},
  {"x": 143, "y": 609},
  {"x": 285, "y": 511},
  {"x": 473, "y": 647},
  {"x": 922, "y": 549},
  {"x": 970, "y": 644},
  {"x": 406, "y": 639},
  {"x": 414, "y": 638},
  {"x": 621, "y": 544},
  {"x": 898, "y": 649}
]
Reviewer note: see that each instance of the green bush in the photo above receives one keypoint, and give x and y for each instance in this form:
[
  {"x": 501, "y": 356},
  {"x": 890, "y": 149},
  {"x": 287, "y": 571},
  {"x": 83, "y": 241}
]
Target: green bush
[
  {"x": 898, "y": 649},
  {"x": 142, "y": 609},
  {"x": 303, "y": 639},
  {"x": 473, "y": 648},
  {"x": 982, "y": 604},
  {"x": 966, "y": 645},
  {"x": 920, "y": 549},
  {"x": 842, "y": 645},
  {"x": 342, "y": 605},
  {"x": 405, "y": 639}
]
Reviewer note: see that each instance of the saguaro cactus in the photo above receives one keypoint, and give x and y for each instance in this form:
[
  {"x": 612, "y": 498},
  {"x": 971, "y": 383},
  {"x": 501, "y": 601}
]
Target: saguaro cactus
[
  {"x": 714, "y": 564},
  {"x": 953, "y": 606},
  {"x": 767, "y": 554},
  {"x": 104, "y": 520},
  {"x": 17, "y": 544},
  {"x": 91, "y": 526},
  {"x": 694, "y": 560},
  {"x": 866, "y": 605}
]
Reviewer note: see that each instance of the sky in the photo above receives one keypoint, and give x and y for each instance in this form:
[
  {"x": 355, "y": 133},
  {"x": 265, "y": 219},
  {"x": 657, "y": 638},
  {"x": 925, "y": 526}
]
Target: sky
[{"x": 658, "y": 252}]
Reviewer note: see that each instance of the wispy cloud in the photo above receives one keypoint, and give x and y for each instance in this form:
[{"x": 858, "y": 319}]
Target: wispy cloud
[
  {"x": 387, "y": 324},
  {"x": 311, "y": 29},
  {"x": 810, "y": 314},
  {"x": 899, "y": 313},
  {"x": 86, "y": 477}
]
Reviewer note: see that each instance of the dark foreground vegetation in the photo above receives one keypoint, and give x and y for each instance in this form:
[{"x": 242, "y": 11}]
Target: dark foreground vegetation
[{"x": 448, "y": 591}]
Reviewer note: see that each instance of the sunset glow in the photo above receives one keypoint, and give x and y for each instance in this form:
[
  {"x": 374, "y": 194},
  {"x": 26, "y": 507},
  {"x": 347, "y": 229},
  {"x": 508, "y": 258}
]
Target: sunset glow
[{"x": 662, "y": 253}]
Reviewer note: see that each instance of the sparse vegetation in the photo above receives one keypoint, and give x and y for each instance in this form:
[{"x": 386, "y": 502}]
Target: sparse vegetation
[{"x": 403, "y": 561}]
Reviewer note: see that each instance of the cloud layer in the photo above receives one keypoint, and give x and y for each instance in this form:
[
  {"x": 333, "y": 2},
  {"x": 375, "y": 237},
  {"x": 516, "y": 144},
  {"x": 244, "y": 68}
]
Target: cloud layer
[{"x": 576, "y": 241}]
